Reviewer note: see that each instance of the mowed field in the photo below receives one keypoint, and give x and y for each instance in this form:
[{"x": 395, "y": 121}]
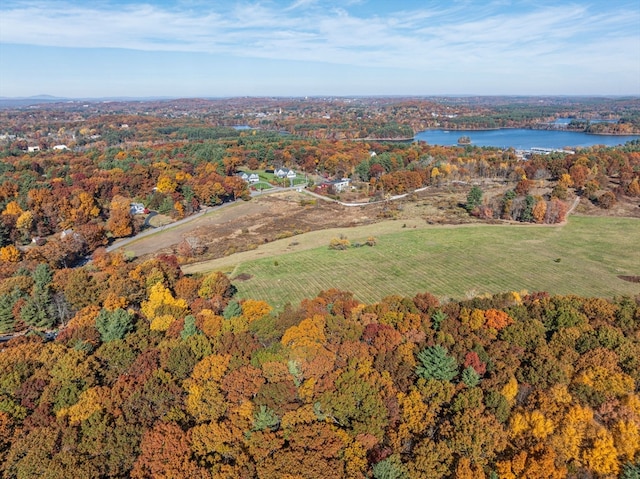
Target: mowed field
[{"x": 583, "y": 257}]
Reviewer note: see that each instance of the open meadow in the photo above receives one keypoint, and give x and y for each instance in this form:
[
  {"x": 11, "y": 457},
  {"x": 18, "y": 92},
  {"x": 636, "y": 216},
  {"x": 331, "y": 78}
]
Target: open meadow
[{"x": 587, "y": 256}]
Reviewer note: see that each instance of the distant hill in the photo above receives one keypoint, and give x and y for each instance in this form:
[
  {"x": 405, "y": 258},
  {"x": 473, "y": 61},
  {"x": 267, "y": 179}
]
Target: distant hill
[
  {"x": 12, "y": 102},
  {"x": 21, "y": 102}
]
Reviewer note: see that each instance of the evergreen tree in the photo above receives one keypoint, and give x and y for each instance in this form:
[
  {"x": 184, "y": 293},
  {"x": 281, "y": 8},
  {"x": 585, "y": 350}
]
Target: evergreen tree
[
  {"x": 474, "y": 199},
  {"x": 390, "y": 468},
  {"x": 38, "y": 311},
  {"x": 114, "y": 324},
  {"x": 42, "y": 277},
  {"x": 265, "y": 418},
  {"x": 4, "y": 235},
  {"x": 527, "y": 213},
  {"x": 631, "y": 471},
  {"x": 232, "y": 310},
  {"x": 470, "y": 377},
  {"x": 437, "y": 318},
  {"x": 7, "y": 301},
  {"x": 435, "y": 363},
  {"x": 189, "y": 328}
]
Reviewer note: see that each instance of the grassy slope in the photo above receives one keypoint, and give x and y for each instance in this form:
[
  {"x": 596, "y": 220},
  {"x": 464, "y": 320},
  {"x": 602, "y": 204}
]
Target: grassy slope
[{"x": 457, "y": 261}]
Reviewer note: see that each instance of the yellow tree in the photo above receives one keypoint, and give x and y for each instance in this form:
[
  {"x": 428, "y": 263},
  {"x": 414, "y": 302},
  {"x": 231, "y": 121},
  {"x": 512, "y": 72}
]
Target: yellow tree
[
  {"x": 571, "y": 436},
  {"x": 166, "y": 184},
  {"x": 120, "y": 222},
  {"x": 627, "y": 438},
  {"x": 10, "y": 254},
  {"x": 415, "y": 414},
  {"x": 602, "y": 457},
  {"x": 306, "y": 339},
  {"x": 84, "y": 208},
  {"x": 12, "y": 209},
  {"x": 205, "y": 401},
  {"x": 539, "y": 211},
  {"x": 25, "y": 221},
  {"x": 162, "y": 303},
  {"x": 254, "y": 309}
]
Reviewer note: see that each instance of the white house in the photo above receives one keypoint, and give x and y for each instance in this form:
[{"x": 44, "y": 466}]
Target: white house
[
  {"x": 31, "y": 149},
  {"x": 136, "y": 208},
  {"x": 250, "y": 178},
  {"x": 340, "y": 185},
  {"x": 60, "y": 147},
  {"x": 283, "y": 172}
]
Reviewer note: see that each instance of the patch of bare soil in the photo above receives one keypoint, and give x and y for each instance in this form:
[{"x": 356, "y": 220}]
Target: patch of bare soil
[
  {"x": 243, "y": 277},
  {"x": 625, "y": 207},
  {"x": 247, "y": 225},
  {"x": 630, "y": 279}
]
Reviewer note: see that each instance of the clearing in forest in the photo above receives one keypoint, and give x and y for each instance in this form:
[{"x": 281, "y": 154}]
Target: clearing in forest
[{"x": 589, "y": 256}]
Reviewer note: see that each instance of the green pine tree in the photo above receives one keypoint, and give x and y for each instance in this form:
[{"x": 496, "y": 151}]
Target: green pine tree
[
  {"x": 474, "y": 199},
  {"x": 38, "y": 311},
  {"x": 437, "y": 318},
  {"x": 631, "y": 471},
  {"x": 435, "y": 363},
  {"x": 190, "y": 327},
  {"x": 527, "y": 212},
  {"x": 470, "y": 377},
  {"x": 265, "y": 418},
  {"x": 42, "y": 277},
  {"x": 4, "y": 235},
  {"x": 114, "y": 324},
  {"x": 232, "y": 310},
  {"x": 390, "y": 468},
  {"x": 7, "y": 321}
]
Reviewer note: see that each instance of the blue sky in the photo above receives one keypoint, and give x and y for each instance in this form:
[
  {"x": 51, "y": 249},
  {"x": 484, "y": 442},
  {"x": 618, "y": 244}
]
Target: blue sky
[{"x": 195, "y": 48}]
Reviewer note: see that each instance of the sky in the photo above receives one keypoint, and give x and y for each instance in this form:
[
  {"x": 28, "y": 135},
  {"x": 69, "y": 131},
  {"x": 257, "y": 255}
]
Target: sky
[{"x": 227, "y": 48}]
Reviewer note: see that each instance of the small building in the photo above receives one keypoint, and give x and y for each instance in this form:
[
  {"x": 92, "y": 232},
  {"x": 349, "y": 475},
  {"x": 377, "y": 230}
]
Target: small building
[
  {"x": 32, "y": 149},
  {"x": 249, "y": 177},
  {"x": 339, "y": 185},
  {"x": 60, "y": 147},
  {"x": 137, "y": 209},
  {"x": 283, "y": 172}
]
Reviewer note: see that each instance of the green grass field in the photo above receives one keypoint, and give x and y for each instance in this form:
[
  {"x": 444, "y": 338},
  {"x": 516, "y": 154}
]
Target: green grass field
[{"x": 584, "y": 257}]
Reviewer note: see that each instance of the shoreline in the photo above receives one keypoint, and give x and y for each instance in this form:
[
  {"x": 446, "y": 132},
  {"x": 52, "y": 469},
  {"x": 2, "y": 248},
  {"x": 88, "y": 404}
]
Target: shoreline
[{"x": 526, "y": 128}]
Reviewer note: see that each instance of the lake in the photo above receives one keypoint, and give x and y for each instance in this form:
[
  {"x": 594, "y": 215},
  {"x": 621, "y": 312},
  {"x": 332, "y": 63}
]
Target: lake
[{"x": 522, "y": 139}]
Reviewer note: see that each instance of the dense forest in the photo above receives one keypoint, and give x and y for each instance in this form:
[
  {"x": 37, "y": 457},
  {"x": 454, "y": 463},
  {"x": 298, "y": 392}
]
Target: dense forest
[{"x": 162, "y": 375}]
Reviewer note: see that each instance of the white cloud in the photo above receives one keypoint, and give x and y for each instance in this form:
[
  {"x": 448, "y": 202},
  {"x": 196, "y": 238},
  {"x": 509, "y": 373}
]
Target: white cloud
[{"x": 487, "y": 37}]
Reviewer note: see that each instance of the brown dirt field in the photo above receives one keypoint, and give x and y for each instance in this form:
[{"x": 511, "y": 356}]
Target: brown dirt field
[
  {"x": 245, "y": 226},
  {"x": 625, "y": 207}
]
